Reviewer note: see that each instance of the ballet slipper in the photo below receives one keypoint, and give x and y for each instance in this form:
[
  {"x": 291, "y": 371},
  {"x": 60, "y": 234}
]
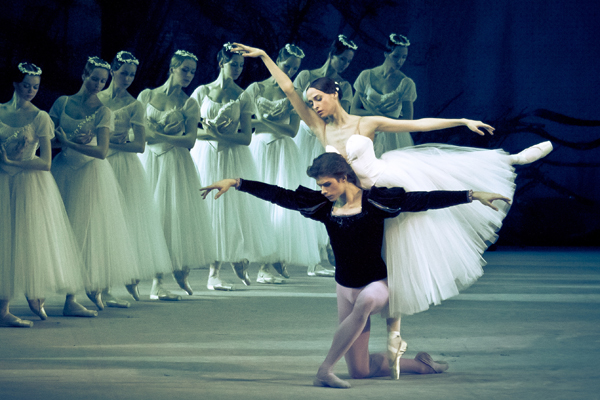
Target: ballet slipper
[
  {"x": 12, "y": 321},
  {"x": 37, "y": 307},
  {"x": 96, "y": 297},
  {"x": 436, "y": 366},
  {"x": 332, "y": 381},
  {"x": 182, "y": 280},
  {"x": 215, "y": 283},
  {"x": 157, "y": 292},
  {"x": 265, "y": 276},
  {"x": 281, "y": 269},
  {"x": 532, "y": 153},
  {"x": 241, "y": 270},
  {"x": 396, "y": 348},
  {"x": 110, "y": 301},
  {"x": 319, "y": 270},
  {"x": 74, "y": 309},
  {"x": 133, "y": 290}
]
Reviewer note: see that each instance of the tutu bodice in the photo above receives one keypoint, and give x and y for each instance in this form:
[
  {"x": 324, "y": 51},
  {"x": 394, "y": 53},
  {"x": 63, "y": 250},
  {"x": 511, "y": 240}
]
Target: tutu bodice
[
  {"x": 389, "y": 104},
  {"x": 125, "y": 117},
  {"x": 225, "y": 116}
]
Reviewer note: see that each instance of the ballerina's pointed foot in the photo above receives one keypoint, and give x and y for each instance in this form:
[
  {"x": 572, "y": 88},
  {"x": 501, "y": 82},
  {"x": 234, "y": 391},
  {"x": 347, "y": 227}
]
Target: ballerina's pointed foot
[
  {"x": 182, "y": 280},
  {"x": 133, "y": 290},
  {"x": 157, "y": 292},
  {"x": 437, "y": 367},
  {"x": 396, "y": 348},
  {"x": 96, "y": 298},
  {"x": 74, "y": 309},
  {"x": 111, "y": 301},
  {"x": 241, "y": 271},
  {"x": 10, "y": 320},
  {"x": 332, "y": 381},
  {"x": 266, "y": 276},
  {"x": 37, "y": 307},
  {"x": 281, "y": 269},
  {"x": 532, "y": 153},
  {"x": 214, "y": 283}
]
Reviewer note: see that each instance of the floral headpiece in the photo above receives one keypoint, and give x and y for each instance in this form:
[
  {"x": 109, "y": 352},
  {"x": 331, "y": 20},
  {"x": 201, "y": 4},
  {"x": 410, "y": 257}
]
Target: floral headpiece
[
  {"x": 229, "y": 47},
  {"x": 36, "y": 70},
  {"x": 347, "y": 42},
  {"x": 98, "y": 62},
  {"x": 399, "y": 40},
  {"x": 131, "y": 60},
  {"x": 295, "y": 50},
  {"x": 184, "y": 53}
]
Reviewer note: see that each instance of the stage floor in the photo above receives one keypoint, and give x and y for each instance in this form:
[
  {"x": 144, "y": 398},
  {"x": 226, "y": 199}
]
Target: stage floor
[{"x": 528, "y": 329}]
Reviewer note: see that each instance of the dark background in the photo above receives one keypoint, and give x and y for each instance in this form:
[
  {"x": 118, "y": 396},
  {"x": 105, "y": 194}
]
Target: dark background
[{"x": 530, "y": 68}]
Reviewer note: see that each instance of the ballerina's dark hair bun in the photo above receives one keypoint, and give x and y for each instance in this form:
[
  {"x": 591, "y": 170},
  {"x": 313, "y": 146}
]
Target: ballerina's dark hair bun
[{"x": 327, "y": 85}]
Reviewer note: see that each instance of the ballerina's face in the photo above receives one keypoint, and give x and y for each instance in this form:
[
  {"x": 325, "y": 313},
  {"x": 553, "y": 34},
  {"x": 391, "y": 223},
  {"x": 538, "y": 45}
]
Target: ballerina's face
[
  {"x": 124, "y": 76},
  {"x": 233, "y": 69},
  {"x": 395, "y": 60},
  {"x": 322, "y": 103},
  {"x": 331, "y": 187},
  {"x": 96, "y": 80},
  {"x": 290, "y": 66},
  {"x": 184, "y": 74},
  {"x": 340, "y": 62},
  {"x": 28, "y": 87}
]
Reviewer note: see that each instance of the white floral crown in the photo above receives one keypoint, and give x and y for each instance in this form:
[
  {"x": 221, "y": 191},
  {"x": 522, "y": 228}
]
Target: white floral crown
[
  {"x": 98, "y": 62},
  {"x": 184, "y": 53},
  {"x": 229, "y": 47},
  {"x": 131, "y": 60},
  {"x": 295, "y": 51},
  {"x": 37, "y": 71},
  {"x": 399, "y": 40},
  {"x": 347, "y": 42}
]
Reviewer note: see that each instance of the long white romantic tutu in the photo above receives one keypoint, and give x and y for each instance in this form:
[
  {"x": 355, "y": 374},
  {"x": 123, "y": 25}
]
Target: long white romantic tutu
[
  {"x": 96, "y": 209},
  {"x": 7, "y": 270},
  {"x": 143, "y": 219},
  {"x": 183, "y": 215},
  {"x": 278, "y": 161},
  {"x": 241, "y": 222}
]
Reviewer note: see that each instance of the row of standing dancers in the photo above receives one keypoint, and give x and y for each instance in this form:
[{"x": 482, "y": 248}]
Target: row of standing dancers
[{"x": 123, "y": 219}]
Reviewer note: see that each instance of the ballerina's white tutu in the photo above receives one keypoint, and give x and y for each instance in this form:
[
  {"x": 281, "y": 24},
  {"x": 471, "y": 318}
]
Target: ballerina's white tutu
[
  {"x": 7, "y": 271},
  {"x": 45, "y": 255},
  {"x": 432, "y": 255},
  {"x": 238, "y": 236}
]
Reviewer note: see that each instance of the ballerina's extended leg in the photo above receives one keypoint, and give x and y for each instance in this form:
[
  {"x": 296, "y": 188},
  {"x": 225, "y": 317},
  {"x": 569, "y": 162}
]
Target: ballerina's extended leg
[{"x": 531, "y": 154}]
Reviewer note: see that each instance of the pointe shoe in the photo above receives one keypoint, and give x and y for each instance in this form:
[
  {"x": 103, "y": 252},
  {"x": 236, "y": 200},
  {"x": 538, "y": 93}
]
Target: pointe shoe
[
  {"x": 74, "y": 309},
  {"x": 13, "y": 321},
  {"x": 241, "y": 270},
  {"x": 37, "y": 307},
  {"x": 396, "y": 348},
  {"x": 214, "y": 283},
  {"x": 532, "y": 153},
  {"x": 265, "y": 276},
  {"x": 319, "y": 270},
  {"x": 181, "y": 277},
  {"x": 133, "y": 290},
  {"x": 159, "y": 293},
  {"x": 281, "y": 269},
  {"x": 332, "y": 382},
  {"x": 110, "y": 301},
  {"x": 436, "y": 366},
  {"x": 96, "y": 297}
]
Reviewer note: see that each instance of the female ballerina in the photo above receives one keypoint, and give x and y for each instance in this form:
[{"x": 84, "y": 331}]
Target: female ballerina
[
  {"x": 172, "y": 120},
  {"x": 88, "y": 186},
  {"x": 220, "y": 151},
  {"x": 142, "y": 213},
  {"x": 45, "y": 256},
  {"x": 420, "y": 272},
  {"x": 354, "y": 219},
  {"x": 385, "y": 90},
  {"x": 274, "y": 151}
]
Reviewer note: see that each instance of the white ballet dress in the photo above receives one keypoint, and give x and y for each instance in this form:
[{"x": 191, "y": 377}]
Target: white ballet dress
[
  {"x": 388, "y": 104},
  {"x": 176, "y": 190},
  {"x": 278, "y": 159},
  {"x": 143, "y": 218},
  {"x": 432, "y": 255},
  {"x": 7, "y": 270},
  {"x": 241, "y": 222},
  {"x": 95, "y": 204}
]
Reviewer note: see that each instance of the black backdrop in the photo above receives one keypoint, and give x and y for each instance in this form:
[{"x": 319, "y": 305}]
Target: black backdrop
[{"x": 530, "y": 68}]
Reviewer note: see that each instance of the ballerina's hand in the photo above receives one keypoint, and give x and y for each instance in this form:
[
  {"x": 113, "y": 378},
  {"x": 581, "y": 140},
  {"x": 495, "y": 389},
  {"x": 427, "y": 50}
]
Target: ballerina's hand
[
  {"x": 476, "y": 126},
  {"x": 247, "y": 51},
  {"x": 84, "y": 137},
  {"x": 222, "y": 186},
  {"x": 486, "y": 199},
  {"x": 173, "y": 128},
  {"x": 119, "y": 138}
]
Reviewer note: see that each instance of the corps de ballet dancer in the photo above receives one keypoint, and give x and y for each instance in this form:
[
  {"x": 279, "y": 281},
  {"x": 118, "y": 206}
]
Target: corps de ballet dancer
[
  {"x": 385, "y": 90},
  {"x": 38, "y": 250},
  {"x": 87, "y": 183},
  {"x": 354, "y": 219},
  {"x": 171, "y": 123},
  {"x": 420, "y": 272},
  {"x": 142, "y": 214}
]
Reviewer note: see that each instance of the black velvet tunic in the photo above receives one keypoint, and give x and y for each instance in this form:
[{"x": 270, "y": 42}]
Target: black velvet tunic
[{"x": 356, "y": 240}]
